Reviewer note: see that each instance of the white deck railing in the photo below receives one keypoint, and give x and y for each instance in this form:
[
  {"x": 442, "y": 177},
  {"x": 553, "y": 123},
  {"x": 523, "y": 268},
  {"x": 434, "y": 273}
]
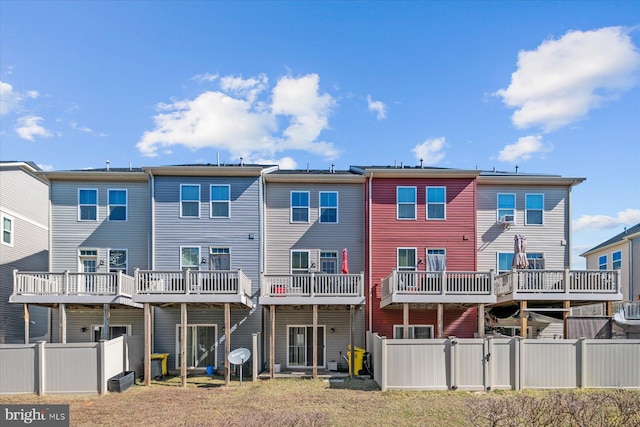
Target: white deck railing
[
  {"x": 438, "y": 283},
  {"x": 68, "y": 283},
  {"x": 631, "y": 309},
  {"x": 313, "y": 284},
  {"x": 192, "y": 282},
  {"x": 558, "y": 281}
]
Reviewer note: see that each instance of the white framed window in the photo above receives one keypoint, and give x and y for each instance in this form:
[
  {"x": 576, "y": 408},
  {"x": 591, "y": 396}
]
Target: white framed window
[
  {"x": 328, "y": 207},
  {"x": 115, "y": 331},
  {"x": 220, "y": 201},
  {"x": 117, "y": 260},
  {"x": 190, "y": 200},
  {"x": 407, "y": 259},
  {"x": 416, "y": 332},
  {"x": 299, "y": 206},
  {"x": 505, "y": 260},
  {"x": 406, "y": 202},
  {"x": 87, "y": 204},
  {"x": 202, "y": 345},
  {"x": 436, "y": 202},
  {"x": 436, "y": 260},
  {"x": 299, "y": 262},
  {"x": 506, "y": 206},
  {"x": 7, "y": 230},
  {"x": 602, "y": 262},
  {"x": 616, "y": 260},
  {"x": 534, "y": 209},
  {"x": 189, "y": 258},
  {"x": 300, "y": 346},
  {"x": 117, "y": 200},
  {"x": 514, "y": 331},
  {"x": 329, "y": 262},
  {"x": 219, "y": 258}
]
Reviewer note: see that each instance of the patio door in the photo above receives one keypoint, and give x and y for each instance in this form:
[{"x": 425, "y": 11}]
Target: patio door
[
  {"x": 201, "y": 346},
  {"x": 88, "y": 264},
  {"x": 300, "y": 346}
]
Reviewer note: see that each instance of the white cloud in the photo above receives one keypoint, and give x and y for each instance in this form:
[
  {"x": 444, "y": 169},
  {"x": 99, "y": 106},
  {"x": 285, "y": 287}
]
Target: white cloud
[
  {"x": 562, "y": 80},
  {"x": 524, "y": 149},
  {"x": 206, "y": 77},
  {"x": 28, "y": 127},
  {"x": 283, "y": 163},
  {"x": 430, "y": 151},
  {"x": 9, "y": 99},
  {"x": 243, "y": 125},
  {"x": 74, "y": 125},
  {"x": 46, "y": 168},
  {"x": 33, "y": 94},
  {"x": 599, "y": 222},
  {"x": 377, "y": 107}
]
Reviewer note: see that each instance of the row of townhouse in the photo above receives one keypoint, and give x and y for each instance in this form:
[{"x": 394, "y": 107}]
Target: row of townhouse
[{"x": 310, "y": 259}]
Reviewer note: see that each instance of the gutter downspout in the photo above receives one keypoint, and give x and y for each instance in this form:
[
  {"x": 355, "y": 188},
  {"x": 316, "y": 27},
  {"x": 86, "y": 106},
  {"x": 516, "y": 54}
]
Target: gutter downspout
[
  {"x": 369, "y": 256},
  {"x": 152, "y": 231}
]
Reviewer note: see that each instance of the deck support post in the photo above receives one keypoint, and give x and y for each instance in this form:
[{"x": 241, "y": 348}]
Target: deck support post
[
  {"x": 26, "y": 323},
  {"x": 610, "y": 308},
  {"x": 523, "y": 318},
  {"x": 227, "y": 343},
  {"x": 62, "y": 322},
  {"x": 405, "y": 320},
  {"x": 315, "y": 342},
  {"x": 106, "y": 316},
  {"x": 480, "y": 320},
  {"x": 183, "y": 344},
  {"x": 566, "y": 306},
  {"x": 440, "y": 321},
  {"x": 352, "y": 359},
  {"x": 147, "y": 344},
  {"x": 272, "y": 341}
]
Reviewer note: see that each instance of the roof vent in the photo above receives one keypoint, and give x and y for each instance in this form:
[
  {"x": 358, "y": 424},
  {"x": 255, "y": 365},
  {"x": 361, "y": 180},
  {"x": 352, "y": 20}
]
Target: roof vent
[{"x": 108, "y": 164}]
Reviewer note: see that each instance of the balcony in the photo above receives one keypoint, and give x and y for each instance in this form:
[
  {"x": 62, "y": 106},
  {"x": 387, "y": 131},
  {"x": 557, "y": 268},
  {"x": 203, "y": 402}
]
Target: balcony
[
  {"x": 558, "y": 285},
  {"x": 424, "y": 287},
  {"x": 193, "y": 286},
  {"x": 312, "y": 289},
  {"x": 46, "y": 288}
]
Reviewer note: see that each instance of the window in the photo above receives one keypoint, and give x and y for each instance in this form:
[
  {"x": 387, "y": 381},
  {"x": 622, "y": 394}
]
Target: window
[
  {"x": 117, "y": 260},
  {"x": 299, "y": 262},
  {"x": 436, "y": 260},
  {"x": 87, "y": 205},
  {"x": 7, "y": 230},
  {"x": 329, "y": 262},
  {"x": 220, "y": 201},
  {"x": 616, "y": 260},
  {"x": 514, "y": 331},
  {"x": 506, "y": 205},
  {"x": 406, "y": 198},
  {"x": 115, "y": 331},
  {"x": 202, "y": 345},
  {"x": 505, "y": 261},
  {"x": 117, "y": 205},
  {"x": 300, "y": 346},
  {"x": 189, "y": 258},
  {"x": 328, "y": 207},
  {"x": 299, "y": 206},
  {"x": 436, "y": 202},
  {"x": 417, "y": 332},
  {"x": 536, "y": 261},
  {"x": 602, "y": 262},
  {"x": 219, "y": 259},
  {"x": 190, "y": 201},
  {"x": 534, "y": 205},
  {"x": 407, "y": 259}
]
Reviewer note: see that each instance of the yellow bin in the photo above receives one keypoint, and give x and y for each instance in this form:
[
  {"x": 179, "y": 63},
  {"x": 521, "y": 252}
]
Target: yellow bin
[
  {"x": 358, "y": 358},
  {"x": 164, "y": 357}
]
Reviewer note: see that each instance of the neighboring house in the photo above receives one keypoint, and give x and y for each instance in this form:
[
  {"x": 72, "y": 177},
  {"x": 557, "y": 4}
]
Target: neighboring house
[
  {"x": 421, "y": 246},
  {"x": 313, "y": 220},
  {"x": 621, "y": 252},
  {"x": 24, "y": 244},
  {"x": 99, "y": 234}
]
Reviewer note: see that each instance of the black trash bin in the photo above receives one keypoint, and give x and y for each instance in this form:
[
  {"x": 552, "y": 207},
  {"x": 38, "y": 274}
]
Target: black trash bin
[{"x": 156, "y": 369}]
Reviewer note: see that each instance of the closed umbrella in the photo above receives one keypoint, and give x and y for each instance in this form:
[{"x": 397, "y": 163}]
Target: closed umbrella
[
  {"x": 519, "y": 252},
  {"x": 345, "y": 262}
]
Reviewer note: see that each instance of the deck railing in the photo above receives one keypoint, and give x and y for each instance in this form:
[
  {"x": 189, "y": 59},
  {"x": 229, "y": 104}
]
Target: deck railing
[
  {"x": 438, "y": 283},
  {"x": 631, "y": 309},
  {"x": 68, "y": 283},
  {"x": 558, "y": 281},
  {"x": 192, "y": 282},
  {"x": 313, "y": 284}
]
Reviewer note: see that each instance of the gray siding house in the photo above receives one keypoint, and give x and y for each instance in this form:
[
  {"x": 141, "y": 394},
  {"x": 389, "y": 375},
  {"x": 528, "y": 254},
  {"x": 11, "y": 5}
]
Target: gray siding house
[
  {"x": 311, "y": 217},
  {"x": 24, "y": 244}
]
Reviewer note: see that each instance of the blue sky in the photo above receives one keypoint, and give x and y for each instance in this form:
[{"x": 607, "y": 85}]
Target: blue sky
[{"x": 552, "y": 87}]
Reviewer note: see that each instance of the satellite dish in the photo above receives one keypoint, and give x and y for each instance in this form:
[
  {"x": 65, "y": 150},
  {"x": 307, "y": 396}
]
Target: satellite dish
[{"x": 239, "y": 356}]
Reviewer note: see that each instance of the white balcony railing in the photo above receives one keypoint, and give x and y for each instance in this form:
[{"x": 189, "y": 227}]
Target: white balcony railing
[
  {"x": 68, "y": 283},
  {"x": 558, "y": 281},
  {"x": 313, "y": 285},
  {"x": 192, "y": 282},
  {"x": 438, "y": 283}
]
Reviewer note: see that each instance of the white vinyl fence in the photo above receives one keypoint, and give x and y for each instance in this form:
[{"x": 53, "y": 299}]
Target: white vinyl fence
[
  {"x": 503, "y": 363},
  {"x": 65, "y": 368}
]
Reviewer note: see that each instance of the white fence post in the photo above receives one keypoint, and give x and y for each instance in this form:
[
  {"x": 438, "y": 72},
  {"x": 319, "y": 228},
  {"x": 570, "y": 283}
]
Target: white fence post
[
  {"x": 102, "y": 381},
  {"x": 256, "y": 350},
  {"x": 453, "y": 363},
  {"x": 41, "y": 374},
  {"x": 520, "y": 365},
  {"x": 582, "y": 348},
  {"x": 383, "y": 364},
  {"x": 488, "y": 363}
]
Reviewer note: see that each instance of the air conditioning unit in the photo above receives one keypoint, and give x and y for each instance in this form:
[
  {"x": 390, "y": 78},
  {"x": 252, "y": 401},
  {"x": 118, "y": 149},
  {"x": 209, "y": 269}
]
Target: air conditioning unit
[{"x": 507, "y": 219}]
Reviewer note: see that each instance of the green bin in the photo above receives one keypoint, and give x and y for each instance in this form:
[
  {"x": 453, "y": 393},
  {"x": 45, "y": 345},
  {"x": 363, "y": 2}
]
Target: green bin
[{"x": 358, "y": 358}]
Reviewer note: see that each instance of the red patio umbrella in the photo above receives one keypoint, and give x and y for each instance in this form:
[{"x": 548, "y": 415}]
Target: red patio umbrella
[{"x": 345, "y": 262}]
